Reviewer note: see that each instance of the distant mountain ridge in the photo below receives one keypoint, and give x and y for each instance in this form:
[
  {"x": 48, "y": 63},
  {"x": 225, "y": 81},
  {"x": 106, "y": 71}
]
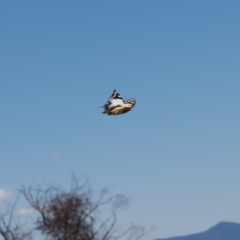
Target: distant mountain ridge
[{"x": 222, "y": 231}]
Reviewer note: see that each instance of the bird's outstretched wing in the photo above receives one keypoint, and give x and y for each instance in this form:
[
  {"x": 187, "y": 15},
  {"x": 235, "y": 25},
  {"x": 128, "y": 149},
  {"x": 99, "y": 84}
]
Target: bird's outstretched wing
[{"x": 114, "y": 100}]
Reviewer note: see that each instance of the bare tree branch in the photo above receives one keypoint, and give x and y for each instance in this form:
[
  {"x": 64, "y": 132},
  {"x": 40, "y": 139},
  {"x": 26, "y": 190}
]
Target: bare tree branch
[
  {"x": 70, "y": 214},
  {"x": 10, "y": 229}
]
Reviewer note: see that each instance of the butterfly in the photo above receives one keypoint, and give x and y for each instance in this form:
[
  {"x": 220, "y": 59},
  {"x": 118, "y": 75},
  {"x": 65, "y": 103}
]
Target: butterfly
[{"x": 116, "y": 105}]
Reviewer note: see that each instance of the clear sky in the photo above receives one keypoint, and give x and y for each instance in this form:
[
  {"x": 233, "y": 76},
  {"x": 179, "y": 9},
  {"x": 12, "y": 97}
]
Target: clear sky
[{"x": 176, "y": 155}]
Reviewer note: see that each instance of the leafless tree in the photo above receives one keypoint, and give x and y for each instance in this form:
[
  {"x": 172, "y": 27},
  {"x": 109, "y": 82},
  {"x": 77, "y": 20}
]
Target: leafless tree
[
  {"x": 11, "y": 228},
  {"x": 75, "y": 214}
]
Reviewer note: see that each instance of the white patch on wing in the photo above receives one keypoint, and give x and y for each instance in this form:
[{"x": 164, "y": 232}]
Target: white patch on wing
[{"x": 116, "y": 102}]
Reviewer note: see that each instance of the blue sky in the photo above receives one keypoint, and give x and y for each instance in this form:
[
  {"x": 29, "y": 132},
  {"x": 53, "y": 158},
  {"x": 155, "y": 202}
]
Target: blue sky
[{"x": 176, "y": 155}]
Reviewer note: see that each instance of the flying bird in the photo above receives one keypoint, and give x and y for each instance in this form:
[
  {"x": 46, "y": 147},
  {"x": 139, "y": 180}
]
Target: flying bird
[{"x": 116, "y": 105}]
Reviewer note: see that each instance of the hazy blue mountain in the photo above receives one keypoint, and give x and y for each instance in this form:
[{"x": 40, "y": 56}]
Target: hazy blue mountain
[{"x": 222, "y": 231}]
